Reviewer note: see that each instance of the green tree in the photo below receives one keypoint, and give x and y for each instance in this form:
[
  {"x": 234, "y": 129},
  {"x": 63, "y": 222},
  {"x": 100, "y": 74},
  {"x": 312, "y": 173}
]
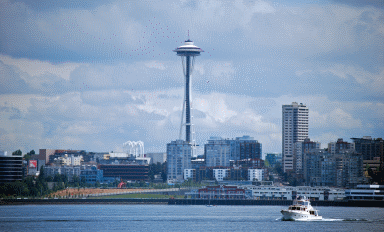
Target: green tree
[{"x": 17, "y": 153}]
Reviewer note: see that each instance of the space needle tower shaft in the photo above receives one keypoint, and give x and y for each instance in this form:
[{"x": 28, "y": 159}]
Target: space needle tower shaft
[{"x": 188, "y": 52}]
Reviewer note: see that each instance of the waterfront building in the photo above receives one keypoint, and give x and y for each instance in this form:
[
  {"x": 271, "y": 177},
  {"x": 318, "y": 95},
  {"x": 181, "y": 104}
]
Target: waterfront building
[
  {"x": 295, "y": 129},
  {"x": 221, "y": 192},
  {"x": 290, "y": 192},
  {"x": 11, "y": 167},
  {"x": 217, "y": 152},
  {"x": 256, "y": 174},
  {"x": 179, "y": 154},
  {"x": 220, "y": 174},
  {"x": 300, "y": 148},
  {"x": 365, "y": 192}
]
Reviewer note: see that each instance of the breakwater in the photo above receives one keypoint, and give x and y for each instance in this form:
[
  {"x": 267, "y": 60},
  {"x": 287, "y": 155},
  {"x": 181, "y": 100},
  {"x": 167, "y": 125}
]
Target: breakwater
[{"x": 356, "y": 203}]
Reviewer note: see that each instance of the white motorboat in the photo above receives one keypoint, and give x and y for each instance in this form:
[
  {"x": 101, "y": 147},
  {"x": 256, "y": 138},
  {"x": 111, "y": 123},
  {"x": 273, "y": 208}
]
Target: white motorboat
[{"x": 301, "y": 210}]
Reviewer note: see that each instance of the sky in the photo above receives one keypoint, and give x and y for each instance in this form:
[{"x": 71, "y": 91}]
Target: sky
[{"x": 92, "y": 75}]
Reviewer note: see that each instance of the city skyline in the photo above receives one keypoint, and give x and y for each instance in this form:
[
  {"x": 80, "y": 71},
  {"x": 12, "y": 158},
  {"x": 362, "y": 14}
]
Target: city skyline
[{"x": 91, "y": 76}]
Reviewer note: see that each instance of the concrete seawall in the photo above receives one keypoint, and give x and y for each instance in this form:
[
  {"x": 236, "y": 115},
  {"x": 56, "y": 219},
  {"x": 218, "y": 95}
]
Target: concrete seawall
[{"x": 186, "y": 202}]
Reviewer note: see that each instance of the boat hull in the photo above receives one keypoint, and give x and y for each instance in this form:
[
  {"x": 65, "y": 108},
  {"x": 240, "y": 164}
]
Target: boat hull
[{"x": 292, "y": 215}]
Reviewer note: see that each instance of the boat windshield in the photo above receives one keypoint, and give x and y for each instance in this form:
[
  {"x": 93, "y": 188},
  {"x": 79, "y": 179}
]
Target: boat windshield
[{"x": 306, "y": 203}]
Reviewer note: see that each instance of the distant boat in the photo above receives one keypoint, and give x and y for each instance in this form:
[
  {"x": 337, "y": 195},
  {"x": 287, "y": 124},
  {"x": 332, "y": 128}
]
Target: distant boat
[
  {"x": 301, "y": 210},
  {"x": 209, "y": 203}
]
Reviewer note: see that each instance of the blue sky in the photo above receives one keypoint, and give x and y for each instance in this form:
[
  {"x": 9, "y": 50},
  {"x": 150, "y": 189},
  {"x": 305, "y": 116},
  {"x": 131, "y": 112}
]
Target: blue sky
[{"x": 95, "y": 74}]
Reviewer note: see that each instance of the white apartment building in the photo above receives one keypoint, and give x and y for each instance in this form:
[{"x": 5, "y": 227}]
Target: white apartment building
[
  {"x": 179, "y": 155},
  {"x": 220, "y": 174},
  {"x": 256, "y": 174},
  {"x": 295, "y": 129}
]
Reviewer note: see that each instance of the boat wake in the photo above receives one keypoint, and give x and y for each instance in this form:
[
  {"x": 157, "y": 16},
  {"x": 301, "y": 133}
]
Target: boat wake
[{"x": 327, "y": 220}]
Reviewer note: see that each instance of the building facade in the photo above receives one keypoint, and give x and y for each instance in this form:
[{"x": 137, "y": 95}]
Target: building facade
[
  {"x": 190, "y": 174},
  {"x": 90, "y": 174},
  {"x": 300, "y": 149},
  {"x": 125, "y": 171},
  {"x": 370, "y": 148},
  {"x": 221, "y": 192},
  {"x": 179, "y": 154},
  {"x": 69, "y": 171},
  {"x": 246, "y": 147},
  {"x": 322, "y": 168},
  {"x": 220, "y": 174},
  {"x": 217, "y": 152},
  {"x": 11, "y": 168},
  {"x": 295, "y": 129},
  {"x": 256, "y": 174},
  {"x": 159, "y": 157},
  {"x": 340, "y": 146}
]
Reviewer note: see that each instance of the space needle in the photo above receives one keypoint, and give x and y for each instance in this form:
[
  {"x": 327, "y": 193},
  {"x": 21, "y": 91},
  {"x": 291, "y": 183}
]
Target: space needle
[{"x": 187, "y": 52}]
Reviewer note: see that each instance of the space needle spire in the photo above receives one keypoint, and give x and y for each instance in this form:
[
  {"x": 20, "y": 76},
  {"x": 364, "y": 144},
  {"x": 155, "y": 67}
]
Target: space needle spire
[{"x": 188, "y": 52}]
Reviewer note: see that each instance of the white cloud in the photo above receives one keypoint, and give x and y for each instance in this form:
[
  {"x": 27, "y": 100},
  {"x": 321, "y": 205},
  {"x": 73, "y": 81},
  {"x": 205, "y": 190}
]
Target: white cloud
[
  {"x": 373, "y": 81},
  {"x": 37, "y": 68}
]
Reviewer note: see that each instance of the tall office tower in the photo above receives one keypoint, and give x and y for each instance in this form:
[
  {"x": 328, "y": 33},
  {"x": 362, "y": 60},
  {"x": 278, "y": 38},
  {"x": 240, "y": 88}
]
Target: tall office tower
[
  {"x": 188, "y": 52},
  {"x": 217, "y": 152},
  {"x": 179, "y": 154},
  {"x": 300, "y": 149},
  {"x": 295, "y": 129}
]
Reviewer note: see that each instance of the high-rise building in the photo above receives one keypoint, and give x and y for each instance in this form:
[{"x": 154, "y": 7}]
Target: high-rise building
[
  {"x": 179, "y": 154},
  {"x": 246, "y": 147},
  {"x": 295, "y": 129},
  {"x": 217, "y": 152}
]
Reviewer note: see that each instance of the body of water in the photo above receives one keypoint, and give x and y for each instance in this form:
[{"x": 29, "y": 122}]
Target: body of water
[{"x": 181, "y": 218}]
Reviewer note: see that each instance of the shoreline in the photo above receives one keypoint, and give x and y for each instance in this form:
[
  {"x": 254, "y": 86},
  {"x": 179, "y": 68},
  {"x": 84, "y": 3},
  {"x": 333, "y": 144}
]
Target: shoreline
[{"x": 163, "y": 201}]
